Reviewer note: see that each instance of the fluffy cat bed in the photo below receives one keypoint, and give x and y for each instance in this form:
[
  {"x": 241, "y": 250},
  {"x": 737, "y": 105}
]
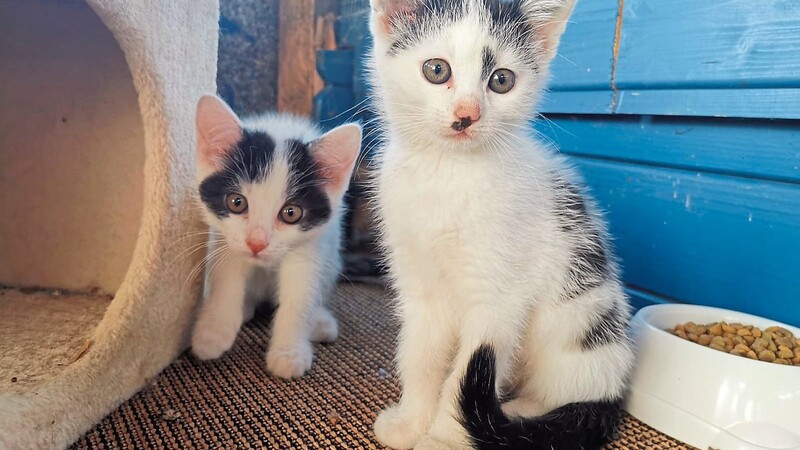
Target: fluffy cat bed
[{"x": 99, "y": 232}]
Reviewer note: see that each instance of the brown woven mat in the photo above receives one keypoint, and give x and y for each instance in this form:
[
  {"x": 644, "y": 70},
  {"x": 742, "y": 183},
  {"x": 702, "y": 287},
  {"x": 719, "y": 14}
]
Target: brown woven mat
[{"x": 233, "y": 402}]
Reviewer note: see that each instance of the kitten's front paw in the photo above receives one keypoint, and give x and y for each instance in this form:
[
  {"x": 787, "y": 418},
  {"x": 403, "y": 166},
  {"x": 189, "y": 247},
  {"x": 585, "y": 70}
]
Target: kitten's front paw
[
  {"x": 397, "y": 429},
  {"x": 326, "y": 329},
  {"x": 290, "y": 362},
  {"x": 210, "y": 339}
]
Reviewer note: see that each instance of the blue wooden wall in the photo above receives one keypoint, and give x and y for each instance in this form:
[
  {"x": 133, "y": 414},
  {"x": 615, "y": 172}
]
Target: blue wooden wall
[{"x": 684, "y": 118}]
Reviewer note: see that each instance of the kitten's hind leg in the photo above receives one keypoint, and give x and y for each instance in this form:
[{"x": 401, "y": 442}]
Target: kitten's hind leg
[
  {"x": 325, "y": 328},
  {"x": 523, "y": 407}
]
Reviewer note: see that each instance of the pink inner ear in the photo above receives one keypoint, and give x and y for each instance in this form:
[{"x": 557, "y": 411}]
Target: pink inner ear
[
  {"x": 388, "y": 10},
  {"x": 336, "y": 153},
  {"x": 218, "y": 131},
  {"x": 395, "y": 7}
]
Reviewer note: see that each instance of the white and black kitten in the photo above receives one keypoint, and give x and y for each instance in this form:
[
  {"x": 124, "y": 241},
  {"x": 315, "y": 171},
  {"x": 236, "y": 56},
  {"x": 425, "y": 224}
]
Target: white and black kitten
[
  {"x": 506, "y": 285},
  {"x": 272, "y": 189}
]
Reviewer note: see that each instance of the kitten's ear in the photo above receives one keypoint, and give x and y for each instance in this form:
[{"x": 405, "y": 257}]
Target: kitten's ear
[
  {"x": 385, "y": 12},
  {"x": 549, "y": 20},
  {"x": 336, "y": 153},
  {"x": 218, "y": 131}
]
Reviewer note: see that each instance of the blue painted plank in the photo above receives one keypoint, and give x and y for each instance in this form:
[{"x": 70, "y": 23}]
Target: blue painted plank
[
  {"x": 714, "y": 43},
  {"x": 586, "y": 51},
  {"x": 331, "y": 104},
  {"x": 705, "y": 239},
  {"x": 351, "y": 29},
  {"x": 753, "y": 103},
  {"x": 763, "y": 149},
  {"x": 639, "y": 298},
  {"x": 577, "y": 102},
  {"x": 335, "y": 67},
  {"x": 742, "y": 103}
]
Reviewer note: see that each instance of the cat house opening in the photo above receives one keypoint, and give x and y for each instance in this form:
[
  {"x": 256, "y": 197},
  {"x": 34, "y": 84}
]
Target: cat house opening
[{"x": 71, "y": 182}]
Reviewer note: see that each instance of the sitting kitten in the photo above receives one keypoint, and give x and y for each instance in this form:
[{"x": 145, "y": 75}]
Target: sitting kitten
[
  {"x": 504, "y": 277},
  {"x": 272, "y": 187}
]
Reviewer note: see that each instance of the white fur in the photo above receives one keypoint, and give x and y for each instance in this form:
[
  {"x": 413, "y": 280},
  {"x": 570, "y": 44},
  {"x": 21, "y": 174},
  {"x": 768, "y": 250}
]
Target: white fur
[
  {"x": 297, "y": 271},
  {"x": 475, "y": 251}
]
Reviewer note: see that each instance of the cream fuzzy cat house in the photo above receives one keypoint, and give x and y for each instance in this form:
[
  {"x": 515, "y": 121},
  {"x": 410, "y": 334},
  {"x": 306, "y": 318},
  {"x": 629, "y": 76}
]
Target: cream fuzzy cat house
[{"x": 97, "y": 222}]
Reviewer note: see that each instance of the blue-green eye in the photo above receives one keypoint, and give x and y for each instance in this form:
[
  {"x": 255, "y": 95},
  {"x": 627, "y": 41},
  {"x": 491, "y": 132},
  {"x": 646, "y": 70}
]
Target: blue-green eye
[
  {"x": 501, "y": 81},
  {"x": 436, "y": 70}
]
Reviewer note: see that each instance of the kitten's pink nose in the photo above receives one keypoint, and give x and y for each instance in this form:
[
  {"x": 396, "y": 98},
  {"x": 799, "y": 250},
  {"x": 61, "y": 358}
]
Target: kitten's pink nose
[
  {"x": 466, "y": 113},
  {"x": 256, "y": 241},
  {"x": 256, "y": 246}
]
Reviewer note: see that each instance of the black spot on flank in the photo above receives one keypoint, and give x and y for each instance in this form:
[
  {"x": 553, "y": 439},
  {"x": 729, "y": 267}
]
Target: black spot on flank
[
  {"x": 306, "y": 187},
  {"x": 588, "y": 269},
  {"x": 609, "y": 328},
  {"x": 489, "y": 62},
  {"x": 589, "y": 262},
  {"x": 571, "y": 206}
]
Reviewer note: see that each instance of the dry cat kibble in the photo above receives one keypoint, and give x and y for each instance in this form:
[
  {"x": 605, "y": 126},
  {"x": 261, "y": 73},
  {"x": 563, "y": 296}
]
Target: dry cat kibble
[{"x": 776, "y": 345}]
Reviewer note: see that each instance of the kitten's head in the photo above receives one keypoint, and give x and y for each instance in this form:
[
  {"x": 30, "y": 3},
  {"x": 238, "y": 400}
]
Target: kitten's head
[
  {"x": 463, "y": 73},
  {"x": 270, "y": 187}
]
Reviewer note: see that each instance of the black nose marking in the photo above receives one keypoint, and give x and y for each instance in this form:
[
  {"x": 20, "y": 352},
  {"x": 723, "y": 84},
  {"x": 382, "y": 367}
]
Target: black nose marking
[{"x": 461, "y": 125}]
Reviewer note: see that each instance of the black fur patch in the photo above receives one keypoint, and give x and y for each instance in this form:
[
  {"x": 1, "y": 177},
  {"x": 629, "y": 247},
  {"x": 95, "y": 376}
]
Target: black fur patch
[
  {"x": 414, "y": 26},
  {"x": 576, "y": 426},
  {"x": 589, "y": 262},
  {"x": 507, "y": 21},
  {"x": 489, "y": 62},
  {"x": 610, "y": 328},
  {"x": 214, "y": 189},
  {"x": 249, "y": 161},
  {"x": 306, "y": 187}
]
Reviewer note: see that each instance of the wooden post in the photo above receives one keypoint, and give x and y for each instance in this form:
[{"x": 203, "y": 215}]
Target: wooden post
[{"x": 296, "y": 57}]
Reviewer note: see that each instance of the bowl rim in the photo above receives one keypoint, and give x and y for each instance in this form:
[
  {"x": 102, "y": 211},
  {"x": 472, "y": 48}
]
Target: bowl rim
[{"x": 646, "y": 314}]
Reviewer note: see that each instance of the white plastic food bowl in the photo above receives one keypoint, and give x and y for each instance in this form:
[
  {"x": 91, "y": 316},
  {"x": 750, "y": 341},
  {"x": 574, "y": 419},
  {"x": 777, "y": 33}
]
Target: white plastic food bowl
[{"x": 707, "y": 398}]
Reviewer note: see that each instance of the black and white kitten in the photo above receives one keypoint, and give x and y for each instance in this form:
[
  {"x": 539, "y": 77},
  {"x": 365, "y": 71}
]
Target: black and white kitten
[
  {"x": 272, "y": 189},
  {"x": 504, "y": 277}
]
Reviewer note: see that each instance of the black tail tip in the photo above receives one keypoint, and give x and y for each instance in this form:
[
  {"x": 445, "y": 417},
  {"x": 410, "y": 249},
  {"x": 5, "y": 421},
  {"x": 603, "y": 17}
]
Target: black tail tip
[{"x": 575, "y": 426}]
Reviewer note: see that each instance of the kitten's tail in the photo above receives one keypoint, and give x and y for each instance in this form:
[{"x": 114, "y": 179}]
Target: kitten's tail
[{"x": 576, "y": 426}]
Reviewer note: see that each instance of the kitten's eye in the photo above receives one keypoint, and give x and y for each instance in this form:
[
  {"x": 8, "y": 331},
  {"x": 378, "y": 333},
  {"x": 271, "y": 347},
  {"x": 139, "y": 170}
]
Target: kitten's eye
[
  {"x": 236, "y": 203},
  {"x": 436, "y": 70},
  {"x": 291, "y": 214},
  {"x": 501, "y": 81}
]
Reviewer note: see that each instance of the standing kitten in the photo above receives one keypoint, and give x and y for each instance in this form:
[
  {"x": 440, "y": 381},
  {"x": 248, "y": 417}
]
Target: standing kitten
[
  {"x": 272, "y": 187},
  {"x": 504, "y": 277}
]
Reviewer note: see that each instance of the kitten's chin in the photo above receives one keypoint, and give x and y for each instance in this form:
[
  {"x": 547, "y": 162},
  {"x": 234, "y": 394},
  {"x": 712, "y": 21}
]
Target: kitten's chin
[{"x": 266, "y": 261}]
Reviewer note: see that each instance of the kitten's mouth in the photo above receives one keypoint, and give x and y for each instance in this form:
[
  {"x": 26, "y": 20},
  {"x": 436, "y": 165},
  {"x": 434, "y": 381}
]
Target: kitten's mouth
[
  {"x": 462, "y": 129},
  {"x": 461, "y": 135}
]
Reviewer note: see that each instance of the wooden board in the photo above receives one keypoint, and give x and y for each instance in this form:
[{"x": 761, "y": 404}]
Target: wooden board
[
  {"x": 297, "y": 70},
  {"x": 762, "y": 149},
  {"x": 578, "y": 102},
  {"x": 585, "y": 54},
  {"x": 704, "y": 238},
  {"x": 710, "y": 44},
  {"x": 777, "y": 103}
]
